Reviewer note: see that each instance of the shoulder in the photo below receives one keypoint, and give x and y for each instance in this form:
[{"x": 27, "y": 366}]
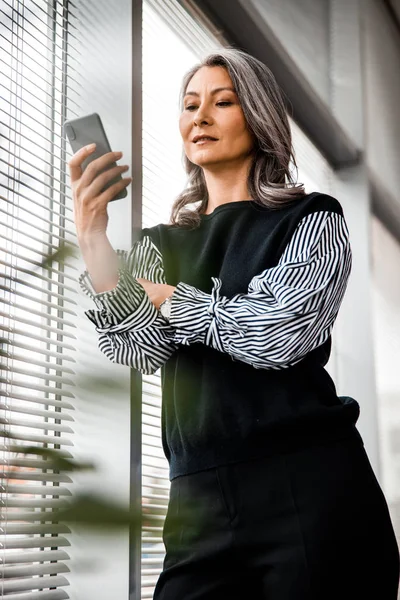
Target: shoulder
[
  {"x": 315, "y": 216},
  {"x": 321, "y": 216},
  {"x": 317, "y": 202},
  {"x": 148, "y": 234},
  {"x": 314, "y": 212},
  {"x": 155, "y": 237}
]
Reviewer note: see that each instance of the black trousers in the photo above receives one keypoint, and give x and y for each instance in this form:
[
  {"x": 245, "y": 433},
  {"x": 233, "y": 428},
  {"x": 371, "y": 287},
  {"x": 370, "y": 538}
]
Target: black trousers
[{"x": 306, "y": 525}]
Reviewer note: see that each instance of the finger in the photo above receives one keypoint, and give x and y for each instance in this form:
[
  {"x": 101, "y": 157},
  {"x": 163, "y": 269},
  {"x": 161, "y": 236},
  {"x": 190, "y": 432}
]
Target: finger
[
  {"x": 98, "y": 184},
  {"x": 97, "y": 166},
  {"x": 77, "y": 159},
  {"x": 113, "y": 190}
]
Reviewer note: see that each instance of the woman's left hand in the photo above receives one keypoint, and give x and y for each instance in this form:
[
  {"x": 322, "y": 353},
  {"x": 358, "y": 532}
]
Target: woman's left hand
[{"x": 157, "y": 292}]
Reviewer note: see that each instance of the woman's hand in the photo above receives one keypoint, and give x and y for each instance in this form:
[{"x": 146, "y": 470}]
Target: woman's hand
[
  {"x": 157, "y": 292},
  {"x": 90, "y": 203},
  {"x": 90, "y": 215}
]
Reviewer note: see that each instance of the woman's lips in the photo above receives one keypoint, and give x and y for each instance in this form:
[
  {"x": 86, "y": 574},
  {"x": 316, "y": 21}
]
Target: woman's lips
[{"x": 205, "y": 142}]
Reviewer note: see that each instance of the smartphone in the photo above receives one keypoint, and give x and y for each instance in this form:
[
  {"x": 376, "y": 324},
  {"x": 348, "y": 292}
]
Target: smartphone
[{"x": 88, "y": 130}]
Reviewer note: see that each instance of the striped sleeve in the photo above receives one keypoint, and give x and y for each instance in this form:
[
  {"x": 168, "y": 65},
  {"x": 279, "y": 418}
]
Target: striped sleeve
[
  {"x": 131, "y": 330},
  {"x": 289, "y": 309}
]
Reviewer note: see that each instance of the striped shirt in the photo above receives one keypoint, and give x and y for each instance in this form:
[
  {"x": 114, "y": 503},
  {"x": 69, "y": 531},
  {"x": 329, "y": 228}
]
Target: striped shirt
[{"x": 259, "y": 290}]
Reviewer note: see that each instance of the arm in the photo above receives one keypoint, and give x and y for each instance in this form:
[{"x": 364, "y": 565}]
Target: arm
[
  {"x": 289, "y": 309},
  {"x": 131, "y": 330}
]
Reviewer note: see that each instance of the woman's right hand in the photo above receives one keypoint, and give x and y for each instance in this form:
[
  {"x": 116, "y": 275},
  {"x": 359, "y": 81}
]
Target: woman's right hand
[{"x": 90, "y": 204}]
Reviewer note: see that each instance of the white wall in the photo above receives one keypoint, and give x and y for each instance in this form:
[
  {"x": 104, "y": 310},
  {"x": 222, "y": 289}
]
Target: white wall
[
  {"x": 386, "y": 323},
  {"x": 303, "y": 28},
  {"x": 382, "y": 95}
]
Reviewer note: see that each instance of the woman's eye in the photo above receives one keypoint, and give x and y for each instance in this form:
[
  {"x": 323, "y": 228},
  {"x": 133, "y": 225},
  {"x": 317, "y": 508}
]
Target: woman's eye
[{"x": 218, "y": 103}]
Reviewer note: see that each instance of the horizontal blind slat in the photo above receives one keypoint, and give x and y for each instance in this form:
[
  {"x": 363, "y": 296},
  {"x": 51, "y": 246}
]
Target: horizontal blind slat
[
  {"x": 151, "y": 410},
  {"x": 38, "y": 542},
  {"x": 38, "y": 325},
  {"x": 62, "y": 404},
  {"x": 151, "y": 439},
  {"x": 154, "y": 462},
  {"x": 156, "y": 497},
  {"x": 46, "y": 414},
  {"x": 38, "y": 388},
  {"x": 35, "y": 528},
  {"x": 26, "y": 462},
  {"x": 35, "y": 424},
  {"x": 18, "y": 344},
  {"x": 43, "y": 490},
  {"x": 52, "y": 305},
  {"x": 41, "y": 439},
  {"x": 32, "y": 517},
  {"x": 58, "y": 594},
  {"x": 12, "y": 571},
  {"x": 37, "y": 502},
  {"x": 157, "y": 486},
  {"x": 43, "y": 314},
  {"x": 39, "y": 363},
  {"x": 36, "y": 374},
  {"x": 29, "y": 476},
  {"x": 10, "y": 586},
  {"x": 10, "y": 558},
  {"x": 45, "y": 340}
]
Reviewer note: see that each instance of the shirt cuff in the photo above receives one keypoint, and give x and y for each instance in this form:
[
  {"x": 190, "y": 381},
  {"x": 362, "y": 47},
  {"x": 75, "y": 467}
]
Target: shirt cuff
[{"x": 126, "y": 305}]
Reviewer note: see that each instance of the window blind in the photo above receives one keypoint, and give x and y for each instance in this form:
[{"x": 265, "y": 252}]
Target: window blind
[{"x": 38, "y": 299}]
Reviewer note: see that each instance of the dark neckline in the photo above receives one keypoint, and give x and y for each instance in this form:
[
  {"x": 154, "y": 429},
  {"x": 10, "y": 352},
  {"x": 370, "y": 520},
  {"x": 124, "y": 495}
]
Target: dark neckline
[
  {"x": 242, "y": 203},
  {"x": 230, "y": 205}
]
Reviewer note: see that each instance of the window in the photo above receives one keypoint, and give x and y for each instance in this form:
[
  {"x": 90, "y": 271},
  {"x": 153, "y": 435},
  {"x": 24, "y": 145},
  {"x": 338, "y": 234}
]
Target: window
[
  {"x": 58, "y": 60},
  {"x": 37, "y": 302}
]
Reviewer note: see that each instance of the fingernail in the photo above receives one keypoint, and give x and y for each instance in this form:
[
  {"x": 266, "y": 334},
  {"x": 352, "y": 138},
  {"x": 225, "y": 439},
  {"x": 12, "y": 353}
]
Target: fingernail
[{"x": 90, "y": 147}]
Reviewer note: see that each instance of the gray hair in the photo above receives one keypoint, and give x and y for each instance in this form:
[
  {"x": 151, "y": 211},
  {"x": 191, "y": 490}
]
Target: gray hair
[{"x": 263, "y": 106}]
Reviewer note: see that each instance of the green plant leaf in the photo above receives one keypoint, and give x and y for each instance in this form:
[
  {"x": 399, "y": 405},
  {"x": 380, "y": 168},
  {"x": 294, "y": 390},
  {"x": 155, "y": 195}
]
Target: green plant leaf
[{"x": 60, "y": 255}]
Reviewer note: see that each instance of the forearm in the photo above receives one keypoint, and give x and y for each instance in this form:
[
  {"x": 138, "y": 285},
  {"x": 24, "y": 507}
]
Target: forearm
[
  {"x": 123, "y": 299},
  {"x": 101, "y": 262}
]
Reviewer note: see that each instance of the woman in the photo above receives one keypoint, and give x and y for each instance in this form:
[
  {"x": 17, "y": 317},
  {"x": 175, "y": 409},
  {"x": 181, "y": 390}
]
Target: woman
[{"x": 272, "y": 493}]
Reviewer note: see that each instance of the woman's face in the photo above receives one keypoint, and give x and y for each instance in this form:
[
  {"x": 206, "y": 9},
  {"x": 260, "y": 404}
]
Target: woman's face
[{"x": 217, "y": 114}]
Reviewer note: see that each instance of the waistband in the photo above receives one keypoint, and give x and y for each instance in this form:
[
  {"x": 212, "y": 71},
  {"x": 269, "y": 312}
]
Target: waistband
[{"x": 235, "y": 451}]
